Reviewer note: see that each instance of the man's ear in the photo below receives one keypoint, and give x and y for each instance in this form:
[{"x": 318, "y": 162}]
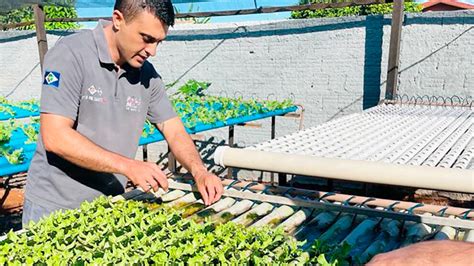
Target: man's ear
[{"x": 117, "y": 19}]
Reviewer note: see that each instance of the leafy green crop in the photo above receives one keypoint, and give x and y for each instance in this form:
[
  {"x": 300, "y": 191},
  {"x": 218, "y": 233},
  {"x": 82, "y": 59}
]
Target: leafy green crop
[
  {"x": 148, "y": 129},
  {"x": 6, "y": 129},
  {"x": 7, "y": 109},
  {"x": 190, "y": 103},
  {"x": 329, "y": 255},
  {"x": 410, "y": 7},
  {"x": 25, "y": 14},
  {"x": 193, "y": 87},
  {"x": 31, "y": 132},
  {"x": 28, "y": 105},
  {"x": 31, "y": 105},
  {"x": 13, "y": 156},
  {"x": 129, "y": 232},
  {"x": 195, "y": 107}
]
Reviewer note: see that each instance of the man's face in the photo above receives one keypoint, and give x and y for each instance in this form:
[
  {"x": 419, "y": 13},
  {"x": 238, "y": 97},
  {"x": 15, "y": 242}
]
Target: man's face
[{"x": 138, "y": 38}]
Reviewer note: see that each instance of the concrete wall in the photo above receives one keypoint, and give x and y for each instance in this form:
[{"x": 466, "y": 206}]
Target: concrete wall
[{"x": 332, "y": 66}]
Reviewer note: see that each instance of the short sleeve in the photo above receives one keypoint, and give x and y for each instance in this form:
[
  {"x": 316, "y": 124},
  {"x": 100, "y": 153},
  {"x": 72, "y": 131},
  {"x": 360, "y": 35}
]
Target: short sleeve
[
  {"x": 160, "y": 108},
  {"x": 62, "y": 82}
]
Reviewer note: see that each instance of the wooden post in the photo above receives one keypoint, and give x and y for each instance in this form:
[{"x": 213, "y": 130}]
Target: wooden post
[
  {"x": 231, "y": 144},
  {"x": 394, "y": 50},
  {"x": 40, "y": 33},
  {"x": 145, "y": 153},
  {"x": 171, "y": 161}
]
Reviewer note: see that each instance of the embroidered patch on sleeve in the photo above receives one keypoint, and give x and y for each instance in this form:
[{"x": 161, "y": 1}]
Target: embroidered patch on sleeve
[{"x": 52, "y": 78}]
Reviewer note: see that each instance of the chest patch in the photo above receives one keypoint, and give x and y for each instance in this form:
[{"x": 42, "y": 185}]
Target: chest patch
[
  {"x": 94, "y": 94},
  {"x": 133, "y": 104}
]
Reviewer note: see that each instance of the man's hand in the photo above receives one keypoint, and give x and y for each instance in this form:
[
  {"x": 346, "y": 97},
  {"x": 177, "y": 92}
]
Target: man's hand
[
  {"x": 443, "y": 252},
  {"x": 182, "y": 146},
  {"x": 210, "y": 187},
  {"x": 60, "y": 138},
  {"x": 147, "y": 175}
]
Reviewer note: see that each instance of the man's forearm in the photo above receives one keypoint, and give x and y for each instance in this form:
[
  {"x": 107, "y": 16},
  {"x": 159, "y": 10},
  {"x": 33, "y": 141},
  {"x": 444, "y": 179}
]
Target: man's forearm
[
  {"x": 186, "y": 153},
  {"x": 182, "y": 146},
  {"x": 76, "y": 148},
  {"x": 444, "y": 252}
]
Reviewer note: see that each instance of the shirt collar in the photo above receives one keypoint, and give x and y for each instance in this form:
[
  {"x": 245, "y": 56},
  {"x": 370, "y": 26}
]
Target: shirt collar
[{"x": 101, "y": 42}]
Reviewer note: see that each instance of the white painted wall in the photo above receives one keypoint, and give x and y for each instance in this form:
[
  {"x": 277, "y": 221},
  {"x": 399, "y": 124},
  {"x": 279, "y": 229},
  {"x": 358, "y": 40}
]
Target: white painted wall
[{"x": 329, "y": 65}]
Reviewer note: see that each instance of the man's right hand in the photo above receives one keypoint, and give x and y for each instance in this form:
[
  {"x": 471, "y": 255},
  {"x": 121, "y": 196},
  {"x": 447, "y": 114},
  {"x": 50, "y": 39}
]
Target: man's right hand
[
  {"x": 146, "y": 175},
  {"x": 60, "y": 138}
]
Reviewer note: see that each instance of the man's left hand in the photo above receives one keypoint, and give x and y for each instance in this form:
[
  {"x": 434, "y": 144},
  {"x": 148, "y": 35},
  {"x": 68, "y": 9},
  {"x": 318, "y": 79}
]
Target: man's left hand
[{"x": 210, "y": 187}]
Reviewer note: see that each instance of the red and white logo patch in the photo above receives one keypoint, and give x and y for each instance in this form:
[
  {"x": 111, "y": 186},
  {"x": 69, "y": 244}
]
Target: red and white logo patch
[{"x": 133, "y": 104}]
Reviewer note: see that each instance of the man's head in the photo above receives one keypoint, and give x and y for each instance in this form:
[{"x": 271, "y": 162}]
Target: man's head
[{"x": 139, "y": 26}]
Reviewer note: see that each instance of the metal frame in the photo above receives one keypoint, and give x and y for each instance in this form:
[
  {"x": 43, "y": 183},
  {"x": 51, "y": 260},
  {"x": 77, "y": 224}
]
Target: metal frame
[
  {"x": 297, "y": 202},
  {"x": 230, "y": 141},
  {"x": 257, "y": 10}
]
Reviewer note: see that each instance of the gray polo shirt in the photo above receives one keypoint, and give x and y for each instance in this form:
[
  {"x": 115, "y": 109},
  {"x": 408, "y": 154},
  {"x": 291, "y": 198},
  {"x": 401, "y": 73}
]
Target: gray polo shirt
[{"x": 109, "y": 107}]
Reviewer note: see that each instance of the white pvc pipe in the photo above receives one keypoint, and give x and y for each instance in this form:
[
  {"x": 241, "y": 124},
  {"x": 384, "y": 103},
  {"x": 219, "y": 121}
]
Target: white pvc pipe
[{"x": 449, "y": 179}]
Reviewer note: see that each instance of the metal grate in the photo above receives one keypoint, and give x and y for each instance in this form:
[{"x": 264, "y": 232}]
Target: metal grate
[{"x": 368, "y": 229}]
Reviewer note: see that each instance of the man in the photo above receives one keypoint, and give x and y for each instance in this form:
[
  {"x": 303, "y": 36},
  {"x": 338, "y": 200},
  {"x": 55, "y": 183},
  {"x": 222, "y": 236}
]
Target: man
[{"x": 98, "y": 89}]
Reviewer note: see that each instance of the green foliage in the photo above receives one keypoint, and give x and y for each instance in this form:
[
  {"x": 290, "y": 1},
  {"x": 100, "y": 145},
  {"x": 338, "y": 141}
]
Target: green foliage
[
  {"x": 190, "y": 102},
  {"x": 195, "y": 107},
  {"x": 192, "y": 87},
  {"x": 329, "y": 255},
  {"x": 5, "y": 106},
  {"x": 148, "y": 129},
  {"x": 31, "y": 105},
  {"x": 31, "y": 132},
  {"x": 409, "y": 7},
  {"x": 13, "y": 156},
  {"x": 375, "y": 9},
  {"x": 25, "y": 14},
  {"x": 130, "y": 232},
  {"x": 6, "y": 129},
  {"x": 203, "y": 20}
]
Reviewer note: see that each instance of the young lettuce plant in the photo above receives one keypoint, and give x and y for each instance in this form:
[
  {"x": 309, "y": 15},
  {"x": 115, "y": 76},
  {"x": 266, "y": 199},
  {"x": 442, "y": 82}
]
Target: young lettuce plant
[{"x": 128, "y": 232}]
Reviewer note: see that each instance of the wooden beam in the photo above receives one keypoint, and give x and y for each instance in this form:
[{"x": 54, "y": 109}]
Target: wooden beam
[
  {"x": 260, "y": 10},
  {"x": 292, "y": 115},
  {"x": 394, "y": 50},
  {"x": 40, "y": 33},
  {"x": 250, "y": 124}
]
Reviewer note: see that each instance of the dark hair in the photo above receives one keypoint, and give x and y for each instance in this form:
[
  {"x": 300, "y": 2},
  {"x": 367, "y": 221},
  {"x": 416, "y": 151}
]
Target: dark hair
[{"x": 162, "y": 9}]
